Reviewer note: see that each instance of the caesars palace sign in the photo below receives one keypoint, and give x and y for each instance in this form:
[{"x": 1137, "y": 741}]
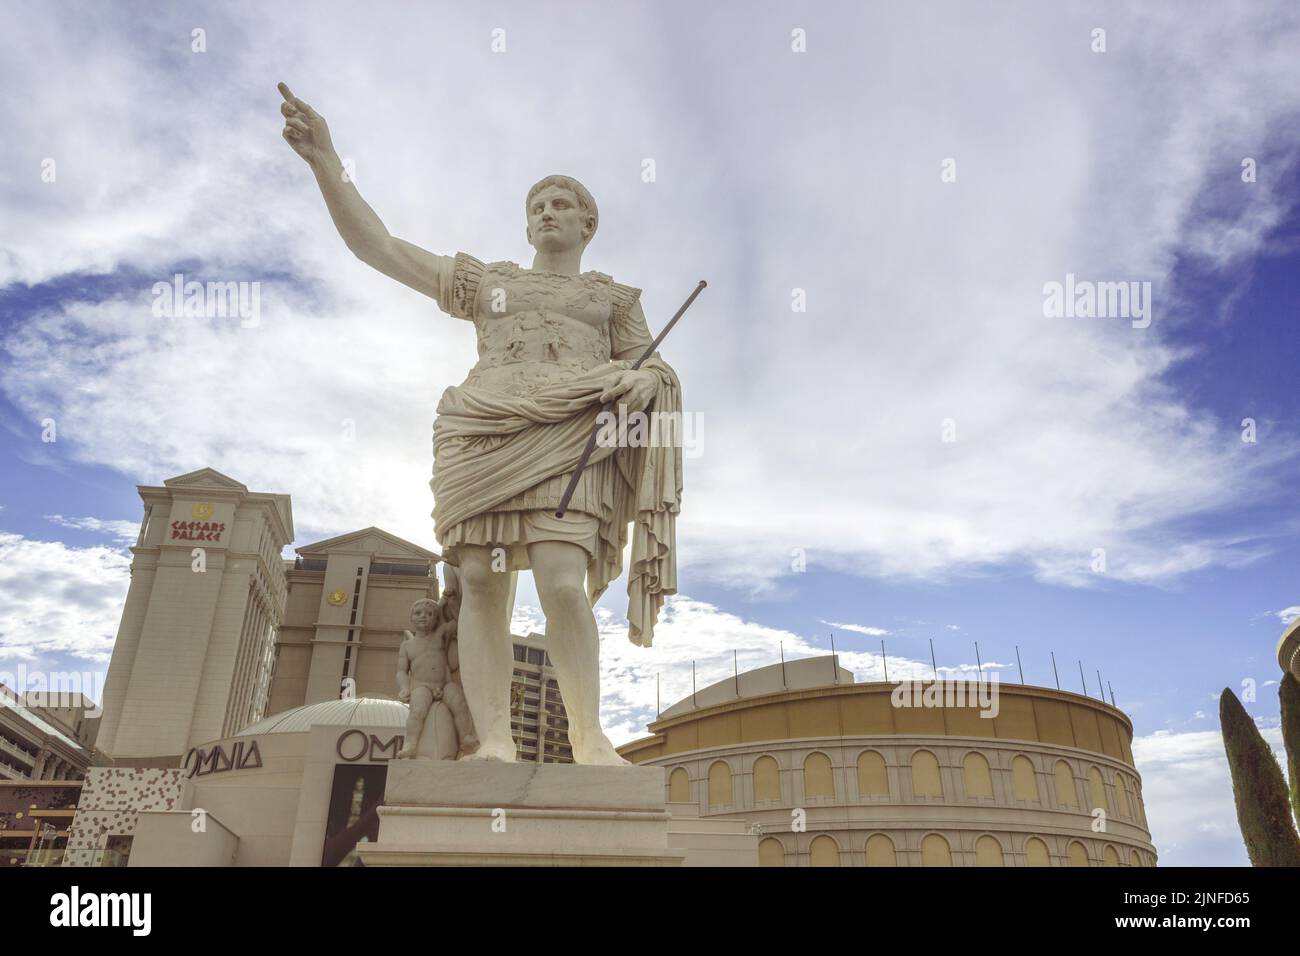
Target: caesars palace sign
[
  {"x": 200, "y": 528},
  {"x": 352, "y": 746}
]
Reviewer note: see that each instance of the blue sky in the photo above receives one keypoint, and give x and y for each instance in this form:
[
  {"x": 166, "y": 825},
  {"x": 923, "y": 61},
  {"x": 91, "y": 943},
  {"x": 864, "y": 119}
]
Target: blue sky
[{"x": 774, "y": 171}]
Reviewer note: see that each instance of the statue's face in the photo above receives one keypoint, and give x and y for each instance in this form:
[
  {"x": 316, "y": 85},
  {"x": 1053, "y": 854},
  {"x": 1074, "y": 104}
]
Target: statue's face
[
  {"x": 556, "y": 222},
  {"x": 422, "y": 616}
]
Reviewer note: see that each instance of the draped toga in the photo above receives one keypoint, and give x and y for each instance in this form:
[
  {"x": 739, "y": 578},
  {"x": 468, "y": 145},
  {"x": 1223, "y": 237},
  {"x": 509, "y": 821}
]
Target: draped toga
[{"x": 507, "y": 439}]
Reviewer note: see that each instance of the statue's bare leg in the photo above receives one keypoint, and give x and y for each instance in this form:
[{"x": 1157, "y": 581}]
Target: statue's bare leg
[
  {"x": 560, "y": 572},
  {"x": 421, "y": 701},
  {"x": 486, "y": 658},
  {"x": 454, "y": 698}
]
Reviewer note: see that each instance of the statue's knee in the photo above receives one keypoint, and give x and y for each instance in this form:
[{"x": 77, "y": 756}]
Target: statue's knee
[
  {"x": 478, "y": 581},
  {"x": 565, "y": 595}
]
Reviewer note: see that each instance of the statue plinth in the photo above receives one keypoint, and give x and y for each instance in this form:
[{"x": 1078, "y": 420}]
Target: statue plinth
[{"x": 492, "y": 813}]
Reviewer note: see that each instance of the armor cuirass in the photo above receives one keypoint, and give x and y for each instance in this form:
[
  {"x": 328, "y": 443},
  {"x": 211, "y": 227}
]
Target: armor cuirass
[{"x": 537, "y": 328}]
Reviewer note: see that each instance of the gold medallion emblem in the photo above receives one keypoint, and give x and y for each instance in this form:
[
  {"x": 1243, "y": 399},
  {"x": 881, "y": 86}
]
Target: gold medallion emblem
[
  {"x": 337, "y": 598},
  {"x": 201, "y": 511}
]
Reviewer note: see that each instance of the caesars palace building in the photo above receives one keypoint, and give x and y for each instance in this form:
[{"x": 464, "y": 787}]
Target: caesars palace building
[{"x": 249, "y": 716}]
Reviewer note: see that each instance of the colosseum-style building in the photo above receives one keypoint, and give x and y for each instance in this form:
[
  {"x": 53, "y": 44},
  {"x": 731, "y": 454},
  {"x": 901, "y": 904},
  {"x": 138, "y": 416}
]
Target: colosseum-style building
[{"x": 834, "y": 773}]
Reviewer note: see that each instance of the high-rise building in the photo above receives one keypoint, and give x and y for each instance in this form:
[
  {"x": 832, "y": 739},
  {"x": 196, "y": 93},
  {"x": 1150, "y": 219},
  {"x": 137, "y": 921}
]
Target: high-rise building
[
  {"x": 537, "y": 717},
  {"x": 349, "y": 600},
  {"x": 195, "y": 647}
]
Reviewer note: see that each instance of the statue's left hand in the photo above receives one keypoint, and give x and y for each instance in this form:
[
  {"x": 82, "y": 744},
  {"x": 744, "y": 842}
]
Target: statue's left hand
[{"x": 635, "y": 389}]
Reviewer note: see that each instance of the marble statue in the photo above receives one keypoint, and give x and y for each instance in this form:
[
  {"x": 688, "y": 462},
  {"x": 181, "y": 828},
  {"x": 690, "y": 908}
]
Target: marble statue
[
  {"x": 427, "y": 665},
  {"x": 554, "y": 344}
]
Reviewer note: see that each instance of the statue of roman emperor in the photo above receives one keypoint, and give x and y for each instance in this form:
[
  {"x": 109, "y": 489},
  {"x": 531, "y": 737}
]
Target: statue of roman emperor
[{"x": 554, "y": 345}]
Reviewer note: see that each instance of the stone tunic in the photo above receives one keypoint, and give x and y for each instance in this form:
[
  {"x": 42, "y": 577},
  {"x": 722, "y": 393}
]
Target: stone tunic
[{"x": 538, "y": 328}]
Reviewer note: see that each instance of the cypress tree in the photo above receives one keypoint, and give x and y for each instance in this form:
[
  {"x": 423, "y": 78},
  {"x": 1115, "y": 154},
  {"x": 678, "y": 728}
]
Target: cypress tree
[
  {"x": 1290, "y": 694},
  {"x": 1263, "y": 811}
]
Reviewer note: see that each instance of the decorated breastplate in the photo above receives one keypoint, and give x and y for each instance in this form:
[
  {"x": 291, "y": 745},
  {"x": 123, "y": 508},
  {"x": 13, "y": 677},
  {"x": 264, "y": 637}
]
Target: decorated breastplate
[{"x": 538, "y": 327}]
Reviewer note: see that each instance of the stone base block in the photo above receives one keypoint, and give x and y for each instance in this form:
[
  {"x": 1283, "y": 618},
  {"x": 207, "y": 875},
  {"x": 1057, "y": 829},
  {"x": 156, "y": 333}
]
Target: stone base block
[{"x": 487, "y": 813}]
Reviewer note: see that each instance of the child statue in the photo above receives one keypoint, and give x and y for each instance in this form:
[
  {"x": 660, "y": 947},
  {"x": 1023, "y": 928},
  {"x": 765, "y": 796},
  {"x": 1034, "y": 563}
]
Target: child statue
[{"x": 427, "y": 666}]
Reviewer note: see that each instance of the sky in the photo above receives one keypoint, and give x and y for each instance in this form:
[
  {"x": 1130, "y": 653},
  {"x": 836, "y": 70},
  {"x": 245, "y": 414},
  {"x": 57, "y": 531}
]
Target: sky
[{"x": 899, "y": 439}]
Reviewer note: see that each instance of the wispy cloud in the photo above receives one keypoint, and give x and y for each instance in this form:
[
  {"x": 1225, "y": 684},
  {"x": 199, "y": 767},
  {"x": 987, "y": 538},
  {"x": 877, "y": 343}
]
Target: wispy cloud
[
  {"x": 858, "y": 628},
  {"x": 331, "y": 397},
  {"x": 124, "y": 531},
  {"x": 59, "y": 600}
]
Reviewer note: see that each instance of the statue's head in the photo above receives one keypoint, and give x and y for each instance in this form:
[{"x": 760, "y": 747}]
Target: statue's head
[
  {"x": 425, "y": 613},
  {"x": 561, "y": 215}
]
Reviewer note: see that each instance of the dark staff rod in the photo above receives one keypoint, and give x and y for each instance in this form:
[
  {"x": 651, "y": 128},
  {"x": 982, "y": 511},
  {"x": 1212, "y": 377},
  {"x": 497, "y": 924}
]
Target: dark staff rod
[{"x": 591, "y": 442}]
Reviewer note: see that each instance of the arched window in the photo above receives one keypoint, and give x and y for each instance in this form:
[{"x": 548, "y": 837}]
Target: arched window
[
  {"x": 824, "y": 852},
  {"x": 679, "y": 786},
  {"x": 767, "y": 779},
  {"x": 1137, "y": 802},
  {"x": 1096, "y": 791},
  {"x": 873, "y": 778},
  {"x": 975, "y": 774},
  {"x": 1036, "y": 853},
  {"x": 1065, "y": 793},
  {"x": 1109, "y": 857},
  {"x": 771, "y": 852},
  {"x": 1134, "y": 859},
  {"x": 1077, "y": 854},
  {"x": 1024, "y": 782},
  {"x": 935, "y": 851},
  {"x": 988, "y": 852},
  {"x": 1121, "y": 796},
  {"x": 719, "y": 784},
  {"x": 817, "y": 778},
  {"x": 880, "y": 851},
  {"x": 925, "y": 775}
]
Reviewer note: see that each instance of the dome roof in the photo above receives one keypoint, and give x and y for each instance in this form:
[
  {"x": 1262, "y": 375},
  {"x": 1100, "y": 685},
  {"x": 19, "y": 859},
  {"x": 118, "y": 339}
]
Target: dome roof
[{"x": 356, "y": 712}]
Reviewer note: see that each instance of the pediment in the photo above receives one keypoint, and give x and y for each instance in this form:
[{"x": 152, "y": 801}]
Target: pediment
[
  {"x": 380, "y": 544},
  {"x": 206, "y": 478}
]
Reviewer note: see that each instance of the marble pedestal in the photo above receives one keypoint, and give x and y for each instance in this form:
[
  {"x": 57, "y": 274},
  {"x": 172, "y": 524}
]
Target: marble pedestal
[{"x": 488, "y": 813}]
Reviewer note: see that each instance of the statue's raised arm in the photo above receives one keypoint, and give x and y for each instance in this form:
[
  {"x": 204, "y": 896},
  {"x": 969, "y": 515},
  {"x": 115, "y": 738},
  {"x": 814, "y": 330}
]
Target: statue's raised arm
[{"x": 364, "y": 232}]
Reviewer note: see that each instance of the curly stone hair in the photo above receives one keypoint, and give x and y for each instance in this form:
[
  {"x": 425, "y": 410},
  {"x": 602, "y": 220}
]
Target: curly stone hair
[{"x": 584, "y": 198}]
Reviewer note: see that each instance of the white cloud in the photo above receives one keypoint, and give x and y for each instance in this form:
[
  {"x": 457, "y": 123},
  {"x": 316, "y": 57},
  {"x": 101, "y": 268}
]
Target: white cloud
[
  {"x": 823, "y": 427},
  {"x": 123, "y": 531},
  {"x": 858, "y": 628},
  {"x": 1288, "y": 614},
  {"x": 717, "y": 643},
  {"x": 59, "y": 600}
]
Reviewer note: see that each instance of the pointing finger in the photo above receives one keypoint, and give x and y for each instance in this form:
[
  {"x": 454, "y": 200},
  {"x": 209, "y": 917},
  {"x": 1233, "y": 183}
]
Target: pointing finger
[{"x": 290, "y": 98}]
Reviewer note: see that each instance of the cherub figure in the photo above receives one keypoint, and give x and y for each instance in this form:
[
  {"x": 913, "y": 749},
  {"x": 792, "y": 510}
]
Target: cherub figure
[{"x": 427, "y": 663}]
